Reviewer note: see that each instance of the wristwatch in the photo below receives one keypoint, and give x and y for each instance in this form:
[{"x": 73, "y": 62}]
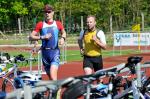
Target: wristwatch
[{"x": 41, "y": 37}]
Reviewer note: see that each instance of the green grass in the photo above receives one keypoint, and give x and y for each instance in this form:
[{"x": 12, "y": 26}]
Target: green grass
[
  {"x": 75, "y": 54},
  {"x": 13, "y": 41},
  {"x": 107, "y": 53}
]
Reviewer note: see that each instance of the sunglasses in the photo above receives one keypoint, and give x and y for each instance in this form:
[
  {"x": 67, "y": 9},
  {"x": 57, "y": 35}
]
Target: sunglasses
[{"x": 48, "y": 11}]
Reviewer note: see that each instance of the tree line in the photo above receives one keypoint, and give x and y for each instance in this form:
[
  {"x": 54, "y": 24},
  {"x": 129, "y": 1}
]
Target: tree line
[{"x": 124, "y": 13}]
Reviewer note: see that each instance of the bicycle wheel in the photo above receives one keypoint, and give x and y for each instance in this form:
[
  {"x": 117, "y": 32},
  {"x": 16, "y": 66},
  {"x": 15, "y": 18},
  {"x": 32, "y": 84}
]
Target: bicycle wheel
[{"x": 7, "y": 85}]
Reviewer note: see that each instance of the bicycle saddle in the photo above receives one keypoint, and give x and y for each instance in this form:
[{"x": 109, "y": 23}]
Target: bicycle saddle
[
  {"x": 134, "y": 59},
  {"x": 132, "y": 62}
]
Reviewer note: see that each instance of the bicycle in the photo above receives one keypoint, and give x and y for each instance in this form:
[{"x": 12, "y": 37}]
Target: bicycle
[
  {"x": 4, "y": 76},
  {"x": 16, "y": 78},
  {"x": 136, "y": 86},
  {"x": 112, "y": 89},
  {"x": 133, "y": 86},
  {"x": 82, "y": 85}
]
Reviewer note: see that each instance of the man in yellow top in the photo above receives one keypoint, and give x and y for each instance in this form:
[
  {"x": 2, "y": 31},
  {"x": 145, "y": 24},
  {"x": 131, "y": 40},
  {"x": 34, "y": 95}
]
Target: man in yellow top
[{"x": 91, "y": 41}]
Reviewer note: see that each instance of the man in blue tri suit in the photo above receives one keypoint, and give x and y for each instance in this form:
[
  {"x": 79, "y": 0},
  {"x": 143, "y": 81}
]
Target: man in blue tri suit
[{"x": 48, "y": 31}]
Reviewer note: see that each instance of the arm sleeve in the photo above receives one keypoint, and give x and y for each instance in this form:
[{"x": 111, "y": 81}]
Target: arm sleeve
[
  {"x": 81, "y": 34},
  {"x": 101, "y": 36},
  {"x": 80, "y": 41}
]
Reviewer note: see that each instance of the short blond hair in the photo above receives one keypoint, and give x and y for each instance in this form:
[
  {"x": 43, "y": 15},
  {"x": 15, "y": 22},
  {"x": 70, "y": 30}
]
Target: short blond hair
[{"x": 93, "y": 16}]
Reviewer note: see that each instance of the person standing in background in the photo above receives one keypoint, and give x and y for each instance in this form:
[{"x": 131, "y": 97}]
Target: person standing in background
[
  {"x": 48, "y": 31},
  {"x": 91, "y": 42}
]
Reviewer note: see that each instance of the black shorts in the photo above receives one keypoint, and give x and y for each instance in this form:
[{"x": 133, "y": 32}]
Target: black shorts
[{"x": 95, "y": 62}]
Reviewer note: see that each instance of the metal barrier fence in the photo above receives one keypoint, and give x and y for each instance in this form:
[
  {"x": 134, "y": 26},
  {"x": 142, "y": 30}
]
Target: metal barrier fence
[
  {"x": 39, "y": 70},
  {"x": 27, "y": 92}
]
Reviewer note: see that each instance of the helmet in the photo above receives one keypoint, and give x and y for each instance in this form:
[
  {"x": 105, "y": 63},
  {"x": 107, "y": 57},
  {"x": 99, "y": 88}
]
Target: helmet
[
  {"x": 27, "y": 78},
  {"x": 100, "y": 88},
  {"x": 4, "y": 57},
  {"x": 2, "y": 67},
  {"x": 30, "y": 77},
  {"x": 19, "y": 58}
]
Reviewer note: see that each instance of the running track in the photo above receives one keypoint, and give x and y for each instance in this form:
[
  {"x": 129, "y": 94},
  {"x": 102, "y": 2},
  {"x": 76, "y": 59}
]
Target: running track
[{"x": 75, "y": 68}]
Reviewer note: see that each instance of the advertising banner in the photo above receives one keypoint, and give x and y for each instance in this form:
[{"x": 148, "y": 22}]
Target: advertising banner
[{"x": 131, "y": 39}]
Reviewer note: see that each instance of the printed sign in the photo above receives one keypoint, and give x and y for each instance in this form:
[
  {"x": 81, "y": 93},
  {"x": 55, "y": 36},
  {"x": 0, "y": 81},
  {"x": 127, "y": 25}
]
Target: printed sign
[{"x": 131, "y": 39}]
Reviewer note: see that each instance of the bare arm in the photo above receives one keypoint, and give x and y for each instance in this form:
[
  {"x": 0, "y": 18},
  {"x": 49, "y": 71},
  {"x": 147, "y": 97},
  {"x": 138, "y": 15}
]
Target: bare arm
[
  {"x": 63, "y": 37},
  {"x": 100, "y": 39},
  {"x": 63, "y": 33},
  {"x": 35, "y": 36},
  {"x": 99, "y": 42}
]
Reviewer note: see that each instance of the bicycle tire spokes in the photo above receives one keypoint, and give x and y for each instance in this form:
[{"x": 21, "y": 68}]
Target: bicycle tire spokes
[{"x": 8, "y": 86}]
